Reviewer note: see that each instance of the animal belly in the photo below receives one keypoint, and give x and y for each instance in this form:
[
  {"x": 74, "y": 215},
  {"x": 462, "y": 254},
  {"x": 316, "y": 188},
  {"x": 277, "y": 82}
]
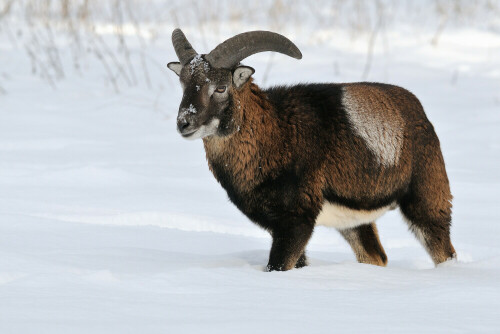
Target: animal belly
[{"x": 341, "y": 217}]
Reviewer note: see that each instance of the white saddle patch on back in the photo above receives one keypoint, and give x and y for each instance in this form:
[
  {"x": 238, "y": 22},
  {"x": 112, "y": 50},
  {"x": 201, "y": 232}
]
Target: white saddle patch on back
[
  {"x": 383, "y": 135},
  {"x": 341, "y": 217}
]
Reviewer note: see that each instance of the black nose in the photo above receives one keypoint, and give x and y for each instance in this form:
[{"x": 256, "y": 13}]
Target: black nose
[{"x": 182, "y": 125}]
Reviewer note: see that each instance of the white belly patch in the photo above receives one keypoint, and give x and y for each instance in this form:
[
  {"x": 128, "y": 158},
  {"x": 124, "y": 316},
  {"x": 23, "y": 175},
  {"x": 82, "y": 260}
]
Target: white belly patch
[{"x": 341, "y": 217}]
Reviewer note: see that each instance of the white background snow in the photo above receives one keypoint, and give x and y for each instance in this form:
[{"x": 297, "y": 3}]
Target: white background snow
[{"x": 110, "y": 222}]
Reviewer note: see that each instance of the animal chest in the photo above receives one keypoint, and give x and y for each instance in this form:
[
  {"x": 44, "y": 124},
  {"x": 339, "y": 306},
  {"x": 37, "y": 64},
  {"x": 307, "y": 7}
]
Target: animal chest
[{"x": 262, "y": 198}]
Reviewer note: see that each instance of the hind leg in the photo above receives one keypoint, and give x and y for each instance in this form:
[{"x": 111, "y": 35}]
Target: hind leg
[
  {"x": 427, "y": 205},
  {"x": 365, "y": 243},
  {"x": 431, "y": 227}
]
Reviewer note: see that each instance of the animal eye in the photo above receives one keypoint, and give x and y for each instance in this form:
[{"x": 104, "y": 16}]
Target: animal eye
[{"x": 220, "y": 89}]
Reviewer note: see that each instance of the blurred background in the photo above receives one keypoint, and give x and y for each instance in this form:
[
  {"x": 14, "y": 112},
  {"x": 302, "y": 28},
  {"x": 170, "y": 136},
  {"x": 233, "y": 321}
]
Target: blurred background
[{"x": 126, "y": 43}]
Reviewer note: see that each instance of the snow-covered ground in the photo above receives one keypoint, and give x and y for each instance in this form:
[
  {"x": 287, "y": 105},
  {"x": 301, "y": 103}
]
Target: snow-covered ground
[{"x": 110, "y": 222}]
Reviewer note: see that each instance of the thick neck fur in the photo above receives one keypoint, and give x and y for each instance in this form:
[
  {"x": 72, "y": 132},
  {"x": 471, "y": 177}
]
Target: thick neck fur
[{"x": 256, "y": 151}]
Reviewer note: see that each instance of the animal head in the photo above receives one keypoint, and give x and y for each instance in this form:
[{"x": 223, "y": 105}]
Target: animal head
[{"x": 209, "y": 81}]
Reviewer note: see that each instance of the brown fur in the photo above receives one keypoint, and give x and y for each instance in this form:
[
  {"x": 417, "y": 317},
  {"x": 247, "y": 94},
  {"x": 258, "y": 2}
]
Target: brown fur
[
  {"x": 339, "y": 164},
  {"x": 282, "y": 153},
  {"x": 366, "y": 245},
  {"x": 255, "y": 151}
]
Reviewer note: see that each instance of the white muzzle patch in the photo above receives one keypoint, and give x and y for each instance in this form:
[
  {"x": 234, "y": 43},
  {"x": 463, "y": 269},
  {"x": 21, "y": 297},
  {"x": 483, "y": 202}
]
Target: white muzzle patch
[{"x": 205, "y": 130}]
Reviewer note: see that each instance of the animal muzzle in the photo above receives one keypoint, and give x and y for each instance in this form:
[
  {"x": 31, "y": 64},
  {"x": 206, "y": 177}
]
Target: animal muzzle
[
  {"x": 186, "y": 127},
  {"x": 186, "y": 124}
]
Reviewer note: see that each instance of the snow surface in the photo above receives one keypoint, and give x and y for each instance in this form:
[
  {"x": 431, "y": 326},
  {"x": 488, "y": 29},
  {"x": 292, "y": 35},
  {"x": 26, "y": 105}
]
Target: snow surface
[{"x": 110, "y": 222}]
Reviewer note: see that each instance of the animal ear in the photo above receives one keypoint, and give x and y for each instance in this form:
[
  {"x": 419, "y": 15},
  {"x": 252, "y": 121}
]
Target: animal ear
[
  {"x": 241, "y": 75},
  {"x": 175, "y": 66}
]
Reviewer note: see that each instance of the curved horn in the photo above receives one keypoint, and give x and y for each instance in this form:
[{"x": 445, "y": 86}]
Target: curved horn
[
  {"x": 183, "y": 48},
  {"x": 230, "y": 52}
]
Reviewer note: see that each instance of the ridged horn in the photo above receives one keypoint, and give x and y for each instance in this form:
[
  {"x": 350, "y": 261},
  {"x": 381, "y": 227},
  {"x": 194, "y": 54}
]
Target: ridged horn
[
  {"x": 230, "y": 52},
  {"x": 183, "y": 48}
]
